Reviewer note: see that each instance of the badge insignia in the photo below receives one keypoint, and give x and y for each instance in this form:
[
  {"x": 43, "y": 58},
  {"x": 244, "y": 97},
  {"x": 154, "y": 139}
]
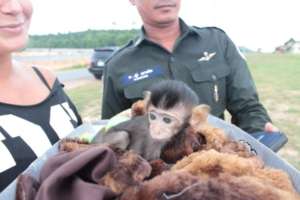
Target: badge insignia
[{"x": 207, "y": 56}]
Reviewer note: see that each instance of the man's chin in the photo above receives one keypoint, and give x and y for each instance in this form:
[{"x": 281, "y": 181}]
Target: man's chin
[{"x": 166, "y": 21}]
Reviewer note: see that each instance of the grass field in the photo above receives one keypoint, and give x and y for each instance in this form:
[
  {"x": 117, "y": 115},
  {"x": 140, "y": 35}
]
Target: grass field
[
  {"x": 277, "y": 78},
  {"x": 87, "y": 99}
]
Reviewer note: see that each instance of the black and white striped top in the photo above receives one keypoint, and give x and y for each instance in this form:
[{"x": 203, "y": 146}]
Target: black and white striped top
[{"x": 26, "y": 132}]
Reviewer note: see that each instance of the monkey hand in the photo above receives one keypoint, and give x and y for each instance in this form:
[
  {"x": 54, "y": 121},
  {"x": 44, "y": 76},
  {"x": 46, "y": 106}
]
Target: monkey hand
[{"x": 138, "y": 108}]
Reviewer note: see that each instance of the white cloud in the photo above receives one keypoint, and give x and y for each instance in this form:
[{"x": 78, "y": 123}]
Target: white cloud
[{"x": 252, "y": 23}]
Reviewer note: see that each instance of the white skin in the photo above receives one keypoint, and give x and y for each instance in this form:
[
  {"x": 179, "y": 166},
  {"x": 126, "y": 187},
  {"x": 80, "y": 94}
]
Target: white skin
[
  {"x": 15, "y": 18},
  {"x": 161, "y": 22},
  {"x": 18, "y": 84}
]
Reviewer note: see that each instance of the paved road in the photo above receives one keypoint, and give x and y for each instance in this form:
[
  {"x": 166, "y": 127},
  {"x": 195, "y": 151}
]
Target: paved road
[{"x": 72, "y": 75}]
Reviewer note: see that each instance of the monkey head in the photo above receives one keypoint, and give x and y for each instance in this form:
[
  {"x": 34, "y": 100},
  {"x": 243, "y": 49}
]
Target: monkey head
[{"x": 169, "y": 104}]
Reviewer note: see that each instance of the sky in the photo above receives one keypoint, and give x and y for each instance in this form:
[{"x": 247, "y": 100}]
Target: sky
[{"x": 256, "y": 24}]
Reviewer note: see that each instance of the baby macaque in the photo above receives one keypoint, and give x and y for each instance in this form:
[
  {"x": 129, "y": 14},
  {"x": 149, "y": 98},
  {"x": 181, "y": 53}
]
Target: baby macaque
[{"x": 168, "y": 106}]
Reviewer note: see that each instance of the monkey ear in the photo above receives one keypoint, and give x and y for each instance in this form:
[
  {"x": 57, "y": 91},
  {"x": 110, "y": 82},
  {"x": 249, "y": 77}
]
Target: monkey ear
[
  {"x": 199, "y": 114},
  {"x": 147, "y": 97},
  {"x": 205, "y": 109}
]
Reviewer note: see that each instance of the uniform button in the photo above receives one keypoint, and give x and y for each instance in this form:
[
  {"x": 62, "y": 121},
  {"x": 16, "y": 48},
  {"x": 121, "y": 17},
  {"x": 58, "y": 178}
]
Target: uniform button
[{"x": 172, "y": 59}]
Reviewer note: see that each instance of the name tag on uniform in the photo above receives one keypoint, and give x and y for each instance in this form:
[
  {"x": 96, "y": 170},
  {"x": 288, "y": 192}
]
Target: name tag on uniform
[{"x": 150, "y": 72}]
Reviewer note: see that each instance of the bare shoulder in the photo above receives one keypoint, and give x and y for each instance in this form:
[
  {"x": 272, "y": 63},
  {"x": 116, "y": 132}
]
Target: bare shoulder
[{"x": 49, "y": 76}]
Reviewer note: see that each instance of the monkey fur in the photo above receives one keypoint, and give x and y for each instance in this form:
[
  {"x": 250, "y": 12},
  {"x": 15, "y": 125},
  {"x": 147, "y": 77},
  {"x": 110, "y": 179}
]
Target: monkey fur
[{"x": 158, "y": 119}]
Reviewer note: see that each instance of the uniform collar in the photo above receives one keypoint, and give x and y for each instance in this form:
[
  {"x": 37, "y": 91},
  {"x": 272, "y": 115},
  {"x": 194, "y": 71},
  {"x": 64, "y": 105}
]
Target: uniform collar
[
  {"x": 185, "y": 29},
  {"x": 140, "y": 38}
]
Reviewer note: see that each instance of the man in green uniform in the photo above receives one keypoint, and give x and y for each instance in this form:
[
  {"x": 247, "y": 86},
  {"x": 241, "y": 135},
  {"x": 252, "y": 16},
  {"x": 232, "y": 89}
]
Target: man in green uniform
[{"x": 204, "y": 58}]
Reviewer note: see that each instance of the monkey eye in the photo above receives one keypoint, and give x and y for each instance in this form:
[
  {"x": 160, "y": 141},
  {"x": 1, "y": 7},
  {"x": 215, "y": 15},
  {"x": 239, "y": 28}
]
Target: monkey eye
[
  {"x": 167, "y": 120},
  {"x": 152, "y": 116}
]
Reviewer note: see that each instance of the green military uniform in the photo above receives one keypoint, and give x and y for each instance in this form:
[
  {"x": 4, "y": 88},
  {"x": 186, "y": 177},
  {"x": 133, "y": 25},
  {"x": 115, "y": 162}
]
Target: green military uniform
[{"x": 204, "y": 58}]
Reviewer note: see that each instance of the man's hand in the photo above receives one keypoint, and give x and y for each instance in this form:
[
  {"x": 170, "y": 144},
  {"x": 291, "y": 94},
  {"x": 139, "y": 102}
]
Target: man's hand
[{"x": 270, "y": 128}]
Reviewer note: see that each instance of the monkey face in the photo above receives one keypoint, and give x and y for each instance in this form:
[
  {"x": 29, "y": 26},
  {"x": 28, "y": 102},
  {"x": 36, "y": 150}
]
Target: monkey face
[{"x": 164, "y": 124}]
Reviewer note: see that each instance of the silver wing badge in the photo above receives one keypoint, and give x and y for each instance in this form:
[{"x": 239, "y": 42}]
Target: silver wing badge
[{"x": 207, "y": 56}]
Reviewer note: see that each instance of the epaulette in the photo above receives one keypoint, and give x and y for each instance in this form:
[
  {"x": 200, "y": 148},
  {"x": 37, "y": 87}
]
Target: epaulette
[{"x": 119, "y": 50}]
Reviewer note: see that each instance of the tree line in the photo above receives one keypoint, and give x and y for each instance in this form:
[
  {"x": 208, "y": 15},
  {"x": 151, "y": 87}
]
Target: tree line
[{"x": 85, "y": 39}]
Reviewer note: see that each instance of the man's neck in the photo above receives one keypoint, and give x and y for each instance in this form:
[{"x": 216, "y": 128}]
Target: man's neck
[{"x": 164, "y": 35}]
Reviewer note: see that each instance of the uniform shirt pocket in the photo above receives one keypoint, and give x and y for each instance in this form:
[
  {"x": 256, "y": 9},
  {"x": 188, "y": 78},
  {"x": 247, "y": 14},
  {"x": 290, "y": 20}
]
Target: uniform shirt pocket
[{"x": 209, "y": 82}]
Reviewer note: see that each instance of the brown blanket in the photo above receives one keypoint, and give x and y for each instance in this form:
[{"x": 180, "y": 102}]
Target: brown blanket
[{"x": 72, "y": 175}]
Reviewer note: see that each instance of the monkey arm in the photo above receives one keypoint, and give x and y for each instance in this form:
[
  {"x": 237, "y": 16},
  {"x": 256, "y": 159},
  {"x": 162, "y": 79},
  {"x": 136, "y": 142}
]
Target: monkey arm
[{"x": 118, "y": 139}]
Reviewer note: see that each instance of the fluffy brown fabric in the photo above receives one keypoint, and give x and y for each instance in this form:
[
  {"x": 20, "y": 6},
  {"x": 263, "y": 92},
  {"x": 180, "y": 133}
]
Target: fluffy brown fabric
[
  {"x": 158, "y": 167},
  {"x": 185, "y": 143},
  {"x": 183, "y": 186},
  {"x": 155, "y": 188},
  {"x": 131, "y": 170},
  {"x": 215, "y": 138},
  {"x": 206, "y": 164},
  {"x": 73, "y": 144}
]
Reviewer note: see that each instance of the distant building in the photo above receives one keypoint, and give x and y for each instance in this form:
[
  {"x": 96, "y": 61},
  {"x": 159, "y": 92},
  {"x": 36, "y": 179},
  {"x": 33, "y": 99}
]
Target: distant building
[{"x": 291, "y": 46}]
